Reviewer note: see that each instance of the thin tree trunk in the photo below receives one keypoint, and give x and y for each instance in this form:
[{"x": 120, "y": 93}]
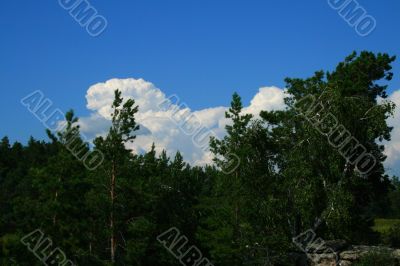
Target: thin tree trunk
[
  {"x": 112, "y": 196},
  {"x": 55, "y": 200},
  {"x": 55, "y": 213},
  {"x": 237, "y": 206}
]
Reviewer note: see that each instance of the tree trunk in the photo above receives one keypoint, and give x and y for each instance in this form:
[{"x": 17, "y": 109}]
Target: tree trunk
[
  {"x": 55, "y": 200},
  {"x": 55, "y": 213},
  {"x": 113, "y": 243},
  {"x": 236, "y": 229}
]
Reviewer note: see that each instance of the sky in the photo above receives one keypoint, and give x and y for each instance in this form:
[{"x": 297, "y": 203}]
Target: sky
[{"x": 201, "y": 51}]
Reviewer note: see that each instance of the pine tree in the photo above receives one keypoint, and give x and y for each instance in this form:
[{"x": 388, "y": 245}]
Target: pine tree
[{"x": 115, "y": 152}]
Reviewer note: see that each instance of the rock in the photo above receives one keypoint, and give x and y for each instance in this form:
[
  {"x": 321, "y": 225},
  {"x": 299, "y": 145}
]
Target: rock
[
  {"x": 323, "y": 259},
  {"x": 351, "y": 255},
  {"x": 338, "y": 252},
  {"x": 396, "y": 253},
  {"x": 327, "y": 246}
]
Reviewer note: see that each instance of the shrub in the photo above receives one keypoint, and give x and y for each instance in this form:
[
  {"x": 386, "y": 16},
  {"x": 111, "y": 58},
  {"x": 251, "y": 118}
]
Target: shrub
[
  {"x": 392, "y": 236},
  {"x": 377, "y": 259}
]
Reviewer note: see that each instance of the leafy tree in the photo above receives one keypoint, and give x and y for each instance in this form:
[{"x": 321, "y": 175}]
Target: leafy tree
[
  {"x": 273, "y": 179},
  {"x": 329, "y": 189}
]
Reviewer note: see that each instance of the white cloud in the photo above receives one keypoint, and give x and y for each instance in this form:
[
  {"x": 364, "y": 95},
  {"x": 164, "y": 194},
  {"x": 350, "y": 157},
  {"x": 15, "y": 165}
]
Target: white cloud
[
  {"x": 101, "y": 95},
  {"x": 156, "y": 110},
  {"x": 392, "y": 148},
  {"x": 267, "y": 98}
]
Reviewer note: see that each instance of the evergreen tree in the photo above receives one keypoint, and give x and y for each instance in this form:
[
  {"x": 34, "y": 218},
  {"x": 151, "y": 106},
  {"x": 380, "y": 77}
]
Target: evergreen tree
[{"x": 116, "y": 155}]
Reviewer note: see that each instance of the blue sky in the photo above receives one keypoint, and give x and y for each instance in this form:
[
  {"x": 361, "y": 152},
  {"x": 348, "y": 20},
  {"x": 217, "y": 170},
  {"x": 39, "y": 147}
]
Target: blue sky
[{"x": 199, "y": 50}]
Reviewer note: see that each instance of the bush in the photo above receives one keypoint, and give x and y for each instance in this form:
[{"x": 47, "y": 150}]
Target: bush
[
  {"x": 392, "y": 236},
  {"x": 377, "y": 259},
  {"x": 384, "y": 225}
]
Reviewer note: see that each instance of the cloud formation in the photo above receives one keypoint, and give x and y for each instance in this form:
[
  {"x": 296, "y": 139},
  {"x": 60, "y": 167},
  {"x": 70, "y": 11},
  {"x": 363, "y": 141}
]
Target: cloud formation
[
  {"x": 167, "y": 121},
  {"x": 161, "y": 117}
]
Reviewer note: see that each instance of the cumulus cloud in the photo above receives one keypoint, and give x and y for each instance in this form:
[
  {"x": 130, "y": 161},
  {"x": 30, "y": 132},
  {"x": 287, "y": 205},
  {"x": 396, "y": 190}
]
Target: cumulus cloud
[
  {"x": 101, "y": 95},
  {"x": 168, "y": 121},
  {"x": 267, "y": 98}
]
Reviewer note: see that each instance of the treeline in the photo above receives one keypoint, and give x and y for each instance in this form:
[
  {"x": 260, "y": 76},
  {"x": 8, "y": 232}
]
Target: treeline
[{"x": 297, "y": 171}]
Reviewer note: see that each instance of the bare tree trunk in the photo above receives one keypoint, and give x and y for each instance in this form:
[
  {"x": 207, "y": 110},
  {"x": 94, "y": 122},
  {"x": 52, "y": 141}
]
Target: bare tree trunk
[
  {"x": 55, "y": 214},
  {"x": 113, "y": 243},
  {"x": 55, "y": 200}
]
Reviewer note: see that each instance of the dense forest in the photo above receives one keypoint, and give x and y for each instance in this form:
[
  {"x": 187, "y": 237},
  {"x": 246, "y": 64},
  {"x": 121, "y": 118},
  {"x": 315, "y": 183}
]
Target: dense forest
[{"x": 316, "y": 165}]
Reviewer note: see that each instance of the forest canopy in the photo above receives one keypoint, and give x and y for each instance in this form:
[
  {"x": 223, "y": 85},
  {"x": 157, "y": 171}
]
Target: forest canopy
[{"x": 316, "y": 165}]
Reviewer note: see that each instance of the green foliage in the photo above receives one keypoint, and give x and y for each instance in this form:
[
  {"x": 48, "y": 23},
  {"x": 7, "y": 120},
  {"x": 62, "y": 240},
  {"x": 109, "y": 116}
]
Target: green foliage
[
  {"x": 389, "y": 231},
  {"x": 377, "y": 259},
  {"x": 327, "y": 191},
  {"x": 384, "y": 225},
  {"x": 273, "y": 179},
  {"x": 391, "y": 236},
  {"x": 394, "y": 199}
]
